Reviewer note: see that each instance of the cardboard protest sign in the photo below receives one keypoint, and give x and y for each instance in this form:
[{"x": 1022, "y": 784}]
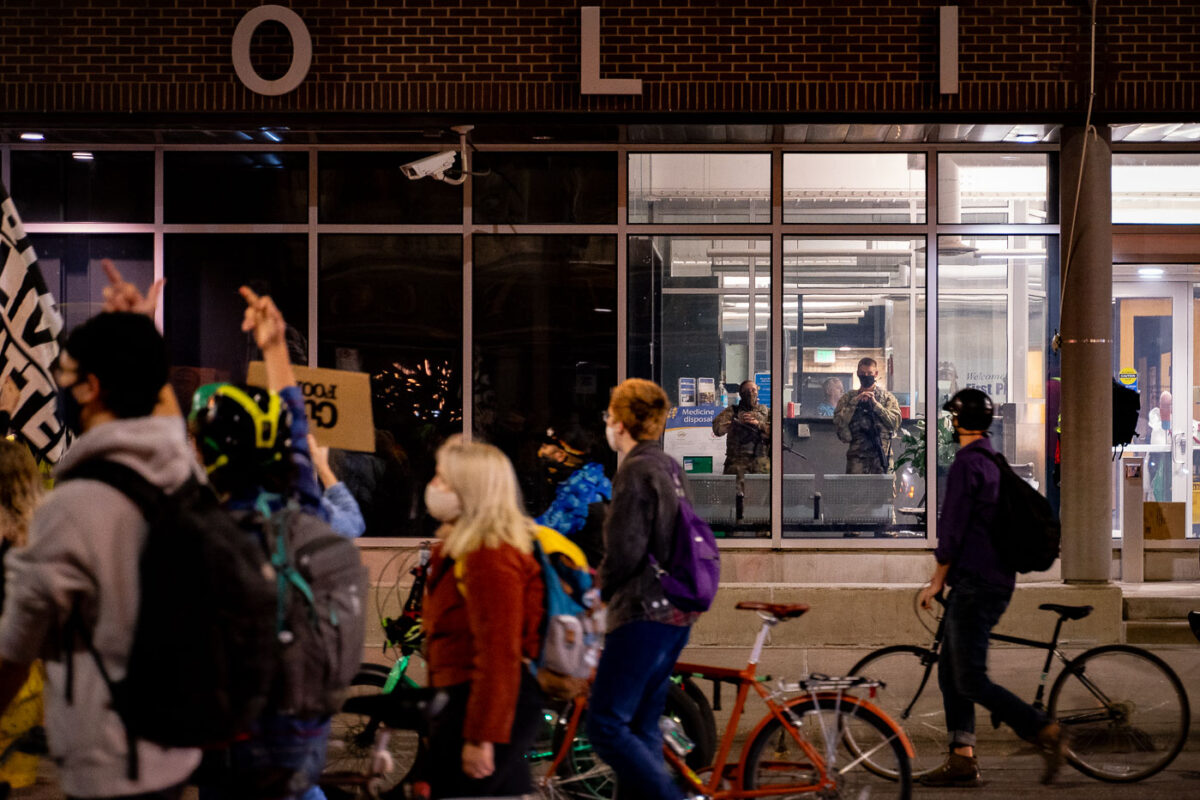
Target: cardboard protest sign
[{"x": 338, "y": 405}]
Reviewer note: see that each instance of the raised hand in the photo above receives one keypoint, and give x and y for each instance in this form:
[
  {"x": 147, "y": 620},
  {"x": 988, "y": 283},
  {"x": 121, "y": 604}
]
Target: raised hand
[
  {"x": 263, "y": 319},
  {"x": 121, "y": 295}
]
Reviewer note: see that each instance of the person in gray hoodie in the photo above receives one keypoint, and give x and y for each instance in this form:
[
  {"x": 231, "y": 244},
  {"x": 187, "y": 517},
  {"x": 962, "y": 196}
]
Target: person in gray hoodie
[{"x": 84, "y": 545}]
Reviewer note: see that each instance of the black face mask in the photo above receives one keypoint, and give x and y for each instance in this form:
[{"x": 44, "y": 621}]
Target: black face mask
[
  {"x": 748, "y": 399},
  {"x": 867, "y": 381},
  {"x": 71, "y": 411}
]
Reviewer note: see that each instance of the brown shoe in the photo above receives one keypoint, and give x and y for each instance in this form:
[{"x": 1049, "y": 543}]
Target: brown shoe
[
  {"x": 956, "y": 771},
  {"x": 1052, "y": 739}
]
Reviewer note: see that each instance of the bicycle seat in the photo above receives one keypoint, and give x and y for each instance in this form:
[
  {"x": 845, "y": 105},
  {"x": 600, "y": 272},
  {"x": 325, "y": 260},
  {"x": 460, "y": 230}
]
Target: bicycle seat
[
  {"x": 1067, "y": 612},
  {"x": 777, "y": 610}
]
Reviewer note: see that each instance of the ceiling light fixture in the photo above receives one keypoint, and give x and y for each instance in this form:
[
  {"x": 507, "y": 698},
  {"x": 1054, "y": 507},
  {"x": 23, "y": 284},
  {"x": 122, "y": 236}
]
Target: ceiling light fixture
[
  {"x": 33, "y": 136},
  {"x": 82, "y": 155},
  {"x": 1150, "y": 272}
]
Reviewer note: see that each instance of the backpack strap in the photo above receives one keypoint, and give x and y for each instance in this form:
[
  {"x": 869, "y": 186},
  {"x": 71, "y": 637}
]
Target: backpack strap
[{"x": 149, "y": 500}]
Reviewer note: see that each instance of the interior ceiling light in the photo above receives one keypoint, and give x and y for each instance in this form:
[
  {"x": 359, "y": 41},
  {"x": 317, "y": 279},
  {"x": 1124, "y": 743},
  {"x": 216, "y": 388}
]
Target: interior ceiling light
[
  {"x": 82, "y": 155},
  {"x": 1027, "y": 138},
  {"x": 33, "y": 136},
  {"x": 1150, "y": 272}
]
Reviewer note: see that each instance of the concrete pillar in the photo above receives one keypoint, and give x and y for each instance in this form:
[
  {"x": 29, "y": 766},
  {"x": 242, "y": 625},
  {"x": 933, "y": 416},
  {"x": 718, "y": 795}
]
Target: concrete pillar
[{"x": 1086, "y": 327}]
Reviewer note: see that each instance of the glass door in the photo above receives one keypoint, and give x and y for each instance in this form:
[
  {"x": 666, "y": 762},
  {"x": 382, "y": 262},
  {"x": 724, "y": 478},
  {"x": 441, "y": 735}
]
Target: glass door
[{"x": 1152, "y": 334}]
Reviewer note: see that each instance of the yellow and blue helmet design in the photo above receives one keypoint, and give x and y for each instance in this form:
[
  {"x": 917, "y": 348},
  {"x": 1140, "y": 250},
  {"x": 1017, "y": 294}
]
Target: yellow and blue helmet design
[{"x": 240, "y": 425}]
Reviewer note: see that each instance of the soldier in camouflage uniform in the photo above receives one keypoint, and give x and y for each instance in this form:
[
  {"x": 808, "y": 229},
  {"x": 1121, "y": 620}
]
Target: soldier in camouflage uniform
[
  {"x": 747, "y": 428},
  {"x": 867, "y": 418}
]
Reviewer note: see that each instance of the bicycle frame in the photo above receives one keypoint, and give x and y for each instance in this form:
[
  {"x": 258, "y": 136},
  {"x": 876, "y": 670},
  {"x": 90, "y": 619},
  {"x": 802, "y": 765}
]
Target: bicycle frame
[
  {"x": 1051, "y": 648},
  {"x": 745, "y": 679}
]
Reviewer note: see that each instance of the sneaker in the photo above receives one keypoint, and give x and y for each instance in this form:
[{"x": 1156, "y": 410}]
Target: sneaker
[
  {"x": 1052, "y": 739},
  {"x": 956, "y": 771}
]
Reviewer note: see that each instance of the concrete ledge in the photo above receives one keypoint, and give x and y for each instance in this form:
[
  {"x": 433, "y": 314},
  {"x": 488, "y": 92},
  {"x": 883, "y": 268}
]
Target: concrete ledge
[{"x": 867, "y": 615}]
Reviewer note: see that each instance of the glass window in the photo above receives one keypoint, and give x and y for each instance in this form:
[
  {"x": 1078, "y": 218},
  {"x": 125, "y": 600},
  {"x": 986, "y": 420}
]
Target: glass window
[
  {"x": 853, "y": 467},
  {"x": 545, "y": 336},
  {"x": 994, "y": 188},
  {"x": 699, "y": 187},
  {"x": 544, "y": 188},
  {"x": 224, "y": 187},
  {"x": 1158, "y": 188},
  {"x": 700, "y": 325},
  {"x": 369, "y": 189},
  {"x": 994, "y": 324},
  {"x": 56, "y": 186},
  {"x": 876, "y": 262},
  {"x": 985, "y": 263},
  {"x": 70, "y": 265},
  {"x": 854, "y": 187},
  {"x": 203, "y": 312},
  {"x": 391, "y": 306}
]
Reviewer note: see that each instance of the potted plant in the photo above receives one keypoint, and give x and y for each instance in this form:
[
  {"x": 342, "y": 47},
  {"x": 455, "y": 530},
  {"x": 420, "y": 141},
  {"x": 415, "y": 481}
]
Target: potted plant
[{"x": 914, "y": 454}]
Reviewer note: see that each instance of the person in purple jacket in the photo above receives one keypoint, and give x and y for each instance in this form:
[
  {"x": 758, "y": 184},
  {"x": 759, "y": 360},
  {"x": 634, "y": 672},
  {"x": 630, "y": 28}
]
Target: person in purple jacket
[{"x": 981, "y": 587}]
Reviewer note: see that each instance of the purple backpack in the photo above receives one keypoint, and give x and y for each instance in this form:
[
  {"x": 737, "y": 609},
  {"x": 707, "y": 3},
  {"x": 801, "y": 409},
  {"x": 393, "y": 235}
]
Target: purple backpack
[{"x": 690, "y": 576}]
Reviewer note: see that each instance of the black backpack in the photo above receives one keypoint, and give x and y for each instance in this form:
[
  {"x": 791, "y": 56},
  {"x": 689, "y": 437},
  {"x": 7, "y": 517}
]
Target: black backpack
[
  {"x": 320, "y": 611},
  {"x": 1025, "y": 532},
  {"x": 204, "y": 643}
]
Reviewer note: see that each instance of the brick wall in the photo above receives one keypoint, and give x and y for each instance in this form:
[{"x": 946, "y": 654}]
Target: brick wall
[{"x": 841, "y": 56}]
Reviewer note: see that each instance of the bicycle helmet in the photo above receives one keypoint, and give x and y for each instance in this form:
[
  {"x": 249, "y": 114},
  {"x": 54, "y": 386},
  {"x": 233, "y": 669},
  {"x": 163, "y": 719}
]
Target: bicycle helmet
[
  {"x": 239, "y": 428},
  {"x": 972, "y": 409}
]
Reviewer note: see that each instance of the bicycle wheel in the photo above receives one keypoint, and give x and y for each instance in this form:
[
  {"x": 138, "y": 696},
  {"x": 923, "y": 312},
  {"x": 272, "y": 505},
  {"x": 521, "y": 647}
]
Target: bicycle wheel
[
  {"x": 351, "y": 737},
  {"x": 776, "y": 760},
  {"x": 1124, "y": 710},
  {"x": 911, "y": 697}
]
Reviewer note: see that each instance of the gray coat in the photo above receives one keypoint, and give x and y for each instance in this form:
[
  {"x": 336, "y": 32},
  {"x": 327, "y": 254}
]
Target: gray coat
[
  {"x": 640, "y": 521},
  {"x": 83, "y": 549}
]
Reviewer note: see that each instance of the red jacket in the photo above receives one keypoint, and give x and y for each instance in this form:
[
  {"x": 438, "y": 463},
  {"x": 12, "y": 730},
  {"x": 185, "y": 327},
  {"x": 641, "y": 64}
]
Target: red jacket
[{"x": 485, "y": 636}]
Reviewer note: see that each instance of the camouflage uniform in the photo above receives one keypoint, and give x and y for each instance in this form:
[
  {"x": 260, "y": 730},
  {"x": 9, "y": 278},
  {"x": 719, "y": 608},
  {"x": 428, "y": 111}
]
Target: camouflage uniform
[
  {"x": 746, "y": 449},
  {"x": 868, "y": 428}
]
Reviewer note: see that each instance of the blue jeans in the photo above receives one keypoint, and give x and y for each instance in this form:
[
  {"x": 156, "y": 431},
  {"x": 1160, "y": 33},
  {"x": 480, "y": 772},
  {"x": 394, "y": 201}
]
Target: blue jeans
[
  {"x": 281, "y": 760},
  {"x": 628, "y": 697},
  {"x": 972, "y": 610}
]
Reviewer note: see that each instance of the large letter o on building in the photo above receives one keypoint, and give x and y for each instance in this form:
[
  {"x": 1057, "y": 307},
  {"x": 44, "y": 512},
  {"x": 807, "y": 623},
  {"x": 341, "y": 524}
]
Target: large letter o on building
[{"x": 301, "y": 50}]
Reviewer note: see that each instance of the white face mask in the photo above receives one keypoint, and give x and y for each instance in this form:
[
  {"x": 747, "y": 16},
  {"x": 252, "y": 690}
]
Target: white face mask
[
  {"x": 442, "y": 504},
  {"x": 610, "y": 435}
]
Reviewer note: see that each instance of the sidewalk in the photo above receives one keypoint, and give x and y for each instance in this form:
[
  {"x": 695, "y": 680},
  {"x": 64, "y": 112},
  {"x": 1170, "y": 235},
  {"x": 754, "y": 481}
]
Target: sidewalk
[
  {"x": 1006, "y": 775},
  {"x": 1018, "y": 773}
]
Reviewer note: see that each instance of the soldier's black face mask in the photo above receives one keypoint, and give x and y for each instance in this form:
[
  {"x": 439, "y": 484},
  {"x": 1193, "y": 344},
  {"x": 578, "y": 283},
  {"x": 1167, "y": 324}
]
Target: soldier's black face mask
[
  {"x": 747, "y": 398},
  {"x": 867, "y": 381}
]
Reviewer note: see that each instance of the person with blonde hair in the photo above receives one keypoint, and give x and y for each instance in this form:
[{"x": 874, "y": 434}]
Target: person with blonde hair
[
  {"x": 645, "y": 631},
  {"x": 21, "y": 489},
  {"x": 482, "y": 616}
]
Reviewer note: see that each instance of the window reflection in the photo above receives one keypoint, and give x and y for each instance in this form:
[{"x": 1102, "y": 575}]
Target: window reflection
[
  {"x": 699, "y": 187},
  {"x": 853, "y": 414},
  {"x": 1156, "y": 188},
  {"x": 70, "y": 265},
  {"x": 854, "y": 187},
  {"x": 994, "y": 188},
  {"x": 545, "y": 328},
  {"x": 391, "y": 306},
  {"x": 700, "y": 321},
  {"x": 993, "y": 334}
]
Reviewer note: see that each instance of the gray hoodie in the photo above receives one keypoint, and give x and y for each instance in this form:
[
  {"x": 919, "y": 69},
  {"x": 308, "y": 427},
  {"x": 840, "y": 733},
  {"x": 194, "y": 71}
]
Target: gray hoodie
[{"x": 83, "y": 549}]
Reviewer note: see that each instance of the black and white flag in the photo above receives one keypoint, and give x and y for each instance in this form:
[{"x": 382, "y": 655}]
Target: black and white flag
[{"x": 29, "y": 338}]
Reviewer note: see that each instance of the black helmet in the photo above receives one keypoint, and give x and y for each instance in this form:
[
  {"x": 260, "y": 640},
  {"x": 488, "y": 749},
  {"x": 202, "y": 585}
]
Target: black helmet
[
  {"x": 239, "y": 428},
  {"x": 972, "y": 408}
]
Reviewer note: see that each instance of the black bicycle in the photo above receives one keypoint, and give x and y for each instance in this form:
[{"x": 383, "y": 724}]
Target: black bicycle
[{"x": 1125, "y": 710}]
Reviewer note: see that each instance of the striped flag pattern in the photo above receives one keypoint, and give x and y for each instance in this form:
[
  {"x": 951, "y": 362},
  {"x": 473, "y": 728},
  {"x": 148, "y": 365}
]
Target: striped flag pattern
[{"x": 29, "y": 332}]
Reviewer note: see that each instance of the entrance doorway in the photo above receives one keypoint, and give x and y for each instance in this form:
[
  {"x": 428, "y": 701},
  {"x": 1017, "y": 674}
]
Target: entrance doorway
[{"x": 1154, "y": 315}]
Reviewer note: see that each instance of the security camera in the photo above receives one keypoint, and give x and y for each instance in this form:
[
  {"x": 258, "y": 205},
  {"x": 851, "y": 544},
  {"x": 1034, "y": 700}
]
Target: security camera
[{"x": 435, "y": 165}]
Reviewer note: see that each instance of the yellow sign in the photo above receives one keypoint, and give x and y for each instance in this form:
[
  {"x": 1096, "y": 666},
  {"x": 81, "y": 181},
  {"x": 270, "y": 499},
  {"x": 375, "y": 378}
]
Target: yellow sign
[
  {"x": 338, "y": 404},
  {"x": 1128, "y": 377}
]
